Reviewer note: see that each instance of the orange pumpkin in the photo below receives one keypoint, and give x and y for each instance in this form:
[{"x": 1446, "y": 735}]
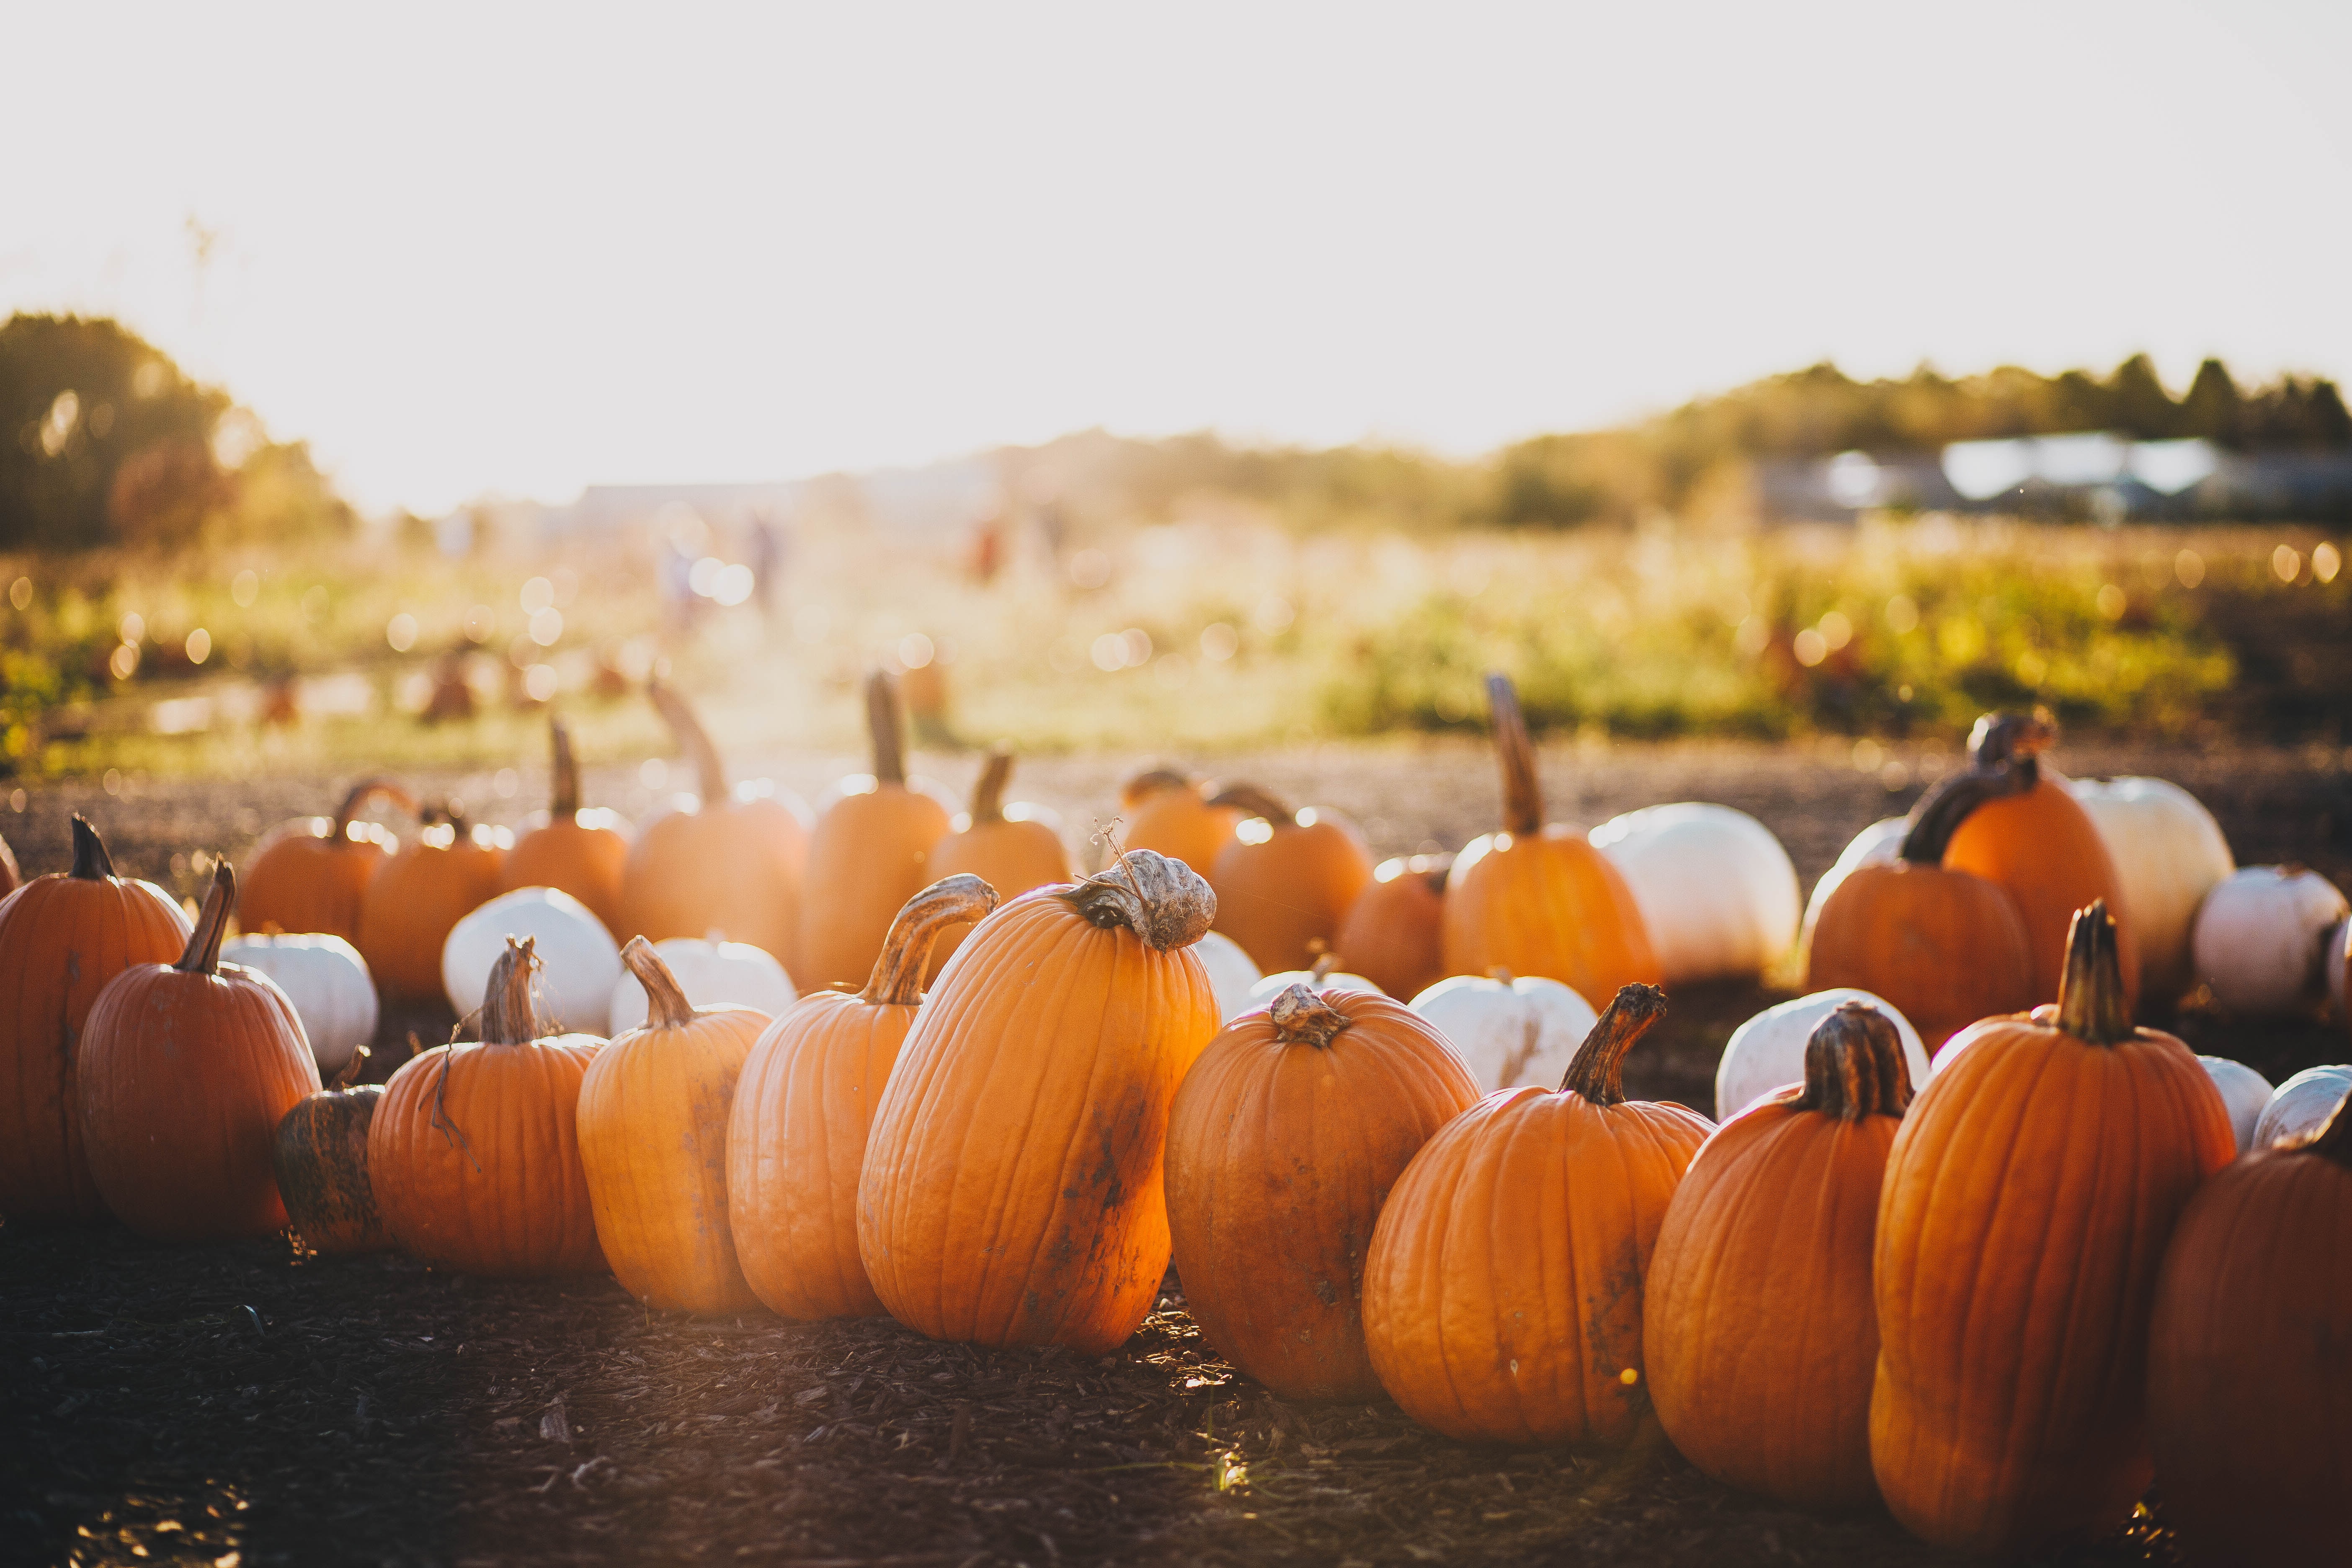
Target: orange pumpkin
[
  {"x": 796, "y": 1137},
  {"x": 1012, "y": 1187},
  {"x": 62, "y": 938},
  {"x": 1395, "y": 934},
  {"x": 871, "y": 852},
  {"x": 1503, "y": 1290},
  {"x": 418, "y": 895},
  {"x": 474, "y": 1154},
  {"x": 319, "y": 1156},
  {"x": 1758, "y": 1327},
  {"x": 186, "y": 1070},
  {"x": 2028, "y": 1200},
  {"x": 734, "y": 864},
  {"x": 1538, "y": 899},
  {"x": 653, "y": 1139},
  {"x": 2249, "y": 1391},
  {"x": 1169, "y": 813},
  {"x": 1282, "y": 1145},
  {"x": 582, "y": 853},
  {"x": 1287, "y": 878},
  {"x": 309, "y": 875},
  {"x": 1012, "y": 848}
]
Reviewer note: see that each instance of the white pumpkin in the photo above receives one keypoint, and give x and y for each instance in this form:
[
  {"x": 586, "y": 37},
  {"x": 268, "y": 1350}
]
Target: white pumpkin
[
  {"x": 1510, "y": 1033},
  {"x": 328, "y": 982},
  {"x": 1232, "y": 972},
  {"x": 1875, "y": 845},
  {"x": 1317, "y": 979},
  {"x": 1767, "y": 1052},
  {"x": 2303, "y": 1103},
  {"x": 579, "y": 962},
  {"x": 710, "y": 972},
  {"x": 2245, "y": 1091},
  {"x": 1714, "y": 887},
  {"x": 2168, "y": 854},
  {"x": 2262, "y": 940}
]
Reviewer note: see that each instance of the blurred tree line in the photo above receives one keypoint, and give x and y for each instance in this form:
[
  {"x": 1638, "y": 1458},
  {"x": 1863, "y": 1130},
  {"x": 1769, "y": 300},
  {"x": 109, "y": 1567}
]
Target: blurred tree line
[{"x": 105, "y": 442}]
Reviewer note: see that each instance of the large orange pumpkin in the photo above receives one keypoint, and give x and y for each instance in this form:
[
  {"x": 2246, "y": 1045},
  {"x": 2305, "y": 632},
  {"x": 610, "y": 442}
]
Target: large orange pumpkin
[
  {"x": 734, "y": 864},
  {"x": 796, "y": 1136},
  {"x": 1537, "y": 899},
  {"x": 1759, "y": 1326},
  {"x": 1395, "y": 934},
  {"x": 583, "y": 853},
  {"x": 184, "y": 1072},
  {"x": 870, "y": 853},
  {"x": 1169, "y": 813},
  {"x": 62, "y": 938},
  {"x": 1282, "y": 1145},
  {"x": 2028, "y": 1201},
  {"x": 2249, "y": 1387},
  {"x": 1503, "y": 1291},
  {"x": 309, "y": 875},
  {"x": 1011, "y": 1188},
  {"x": 1012, "y": 848},
  {"x": 653, "y": 1139},
  {"x": 1287, "y": 878},
  {"x": 418, "y": 895},
  {"x": 474, "y": 1154}
]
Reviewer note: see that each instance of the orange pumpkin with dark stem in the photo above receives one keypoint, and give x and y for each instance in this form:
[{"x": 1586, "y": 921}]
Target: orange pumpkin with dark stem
[
  {"x": 1758, "y": 1327},
  {"x": 2027, "y": 1204},
  {"x": 1012, "y": 849},
  {"x": 319, "y": 1156},
  {"x": 796, "y": 1137},
  {"x": 62, "y": 938},
  {"x": 871, "y": 852},
  {"x": 309, "y": 875},
  {"x": 652, "y": 1138},
  {"x": 1012, "y": 1187},
  {"x": 1537, "y": 899},
  {"x": 735, "y": 864},
  {"x": 185, "y": 1071},
  {"x": 582, "y": 853},
  {"x": 1286, "y": 879},
  {"x": 1395, "y": 934},
  {"x": 1169, "y": 813},
  {"x": 2249, "y": 1390},
  {"x": 1282, "y": 1145},
  {"x": 474, "y": 1152},
  {"x": 418, "y": 895}
]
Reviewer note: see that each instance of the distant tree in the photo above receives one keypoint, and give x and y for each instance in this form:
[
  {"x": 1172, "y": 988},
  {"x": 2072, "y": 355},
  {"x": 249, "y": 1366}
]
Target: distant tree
[
  {"x": 2212, "y": 408},
  {"x": 2138, "y": 403}
]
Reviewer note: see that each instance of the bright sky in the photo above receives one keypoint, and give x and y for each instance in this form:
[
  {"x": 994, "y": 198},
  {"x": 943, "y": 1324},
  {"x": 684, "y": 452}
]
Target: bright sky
[{"x": 475, "y": 248}]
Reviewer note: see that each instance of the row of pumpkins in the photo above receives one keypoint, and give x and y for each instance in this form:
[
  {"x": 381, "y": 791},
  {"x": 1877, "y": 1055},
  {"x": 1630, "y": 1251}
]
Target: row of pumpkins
[{"x": 1349, "y": 1215}]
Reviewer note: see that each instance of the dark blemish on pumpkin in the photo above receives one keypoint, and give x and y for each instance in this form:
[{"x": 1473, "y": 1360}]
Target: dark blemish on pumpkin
[{"x": 1326, "y": 1292}]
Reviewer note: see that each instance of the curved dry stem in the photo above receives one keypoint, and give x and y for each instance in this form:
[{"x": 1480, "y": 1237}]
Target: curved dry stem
[
  {"x": 2091, "y": 1004},
  {"x": 2333, "y": 1140},
  {"x": 2002, "y": 749},
  {"x": 349, "y": 1073},
  {"x": 2001, "y": 740},
  {"x": 1151, "y": 782},
  {"x": 1522, "y": 789},
  {"x": 564, "y": 798},
  {"x": 709, "y": 771},
  {"x": 988, "y": 794},
  {"x": 666, "y": 1003},
  {"x": 509, "y": 1016},
  {"x": 361, "y": 796},
  {"x": 1254, "y": 800},
  {"x": 1598, "y": 1071},
  {"x": 1854, "y": 1065},
  {"x": 1303, "y": 1018},
  {"x": 883, "y": 722},
  {"x": 91, "y": 863},
  {"x": 1164, "y": 901},
  {"x": 897, "y": 977},
  {"x": 202, "y": 955}
]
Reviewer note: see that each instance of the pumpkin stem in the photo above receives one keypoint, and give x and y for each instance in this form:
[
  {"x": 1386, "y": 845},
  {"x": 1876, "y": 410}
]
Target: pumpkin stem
[
  {"x": 1522, "y": 789},
  {"x": 2001, "y": 740},
  {"x": 882, "y": 719},
  {"x": 1303, "y": 1018},
  {"x": 1151, "y": 782},
  {"x": 563, "y": 801},
  {"x": 1597, "y": 1072},
  {"x": 509, "y": 1016},
  {"x": 2091, "y": 988},
  {"x": 358, "y": 800},
  {"x": 202, "y": 955},
  {"x": 2002, "y": 749},
  {"x": 1164, "y": 901},
  {"x": 666, "y": 1003},
  {"x": 1252, "y": 800},
  {"x": 91, "y": 863},
  {"x": 349, "y": 1073},
  {"x": 988, "y": 794},
  {"x": 1317, "y": 972},
  {"x": 709, "y": 771},
  {"x": 897, "y": 977},
  {"x": 1854, "y": 1065},
  {"x": 2334, "y": 1139}
]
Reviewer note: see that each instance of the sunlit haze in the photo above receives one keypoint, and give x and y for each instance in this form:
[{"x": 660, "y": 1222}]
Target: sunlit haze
[{"x": 465, "y": 250}]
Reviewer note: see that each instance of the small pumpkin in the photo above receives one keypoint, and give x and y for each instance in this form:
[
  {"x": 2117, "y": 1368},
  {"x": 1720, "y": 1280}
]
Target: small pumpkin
[
  {"x": 1011, "y": 1189},
  {"x": 2260, "y": 940},
  {"x": 1503, "y": 1289},
  {"x": 1394, "y": 934},
  {"x": 1012, "y": 848},
  {"x": 1880, "y": 844},
  {"x": 319, "y": 1157},
  {"x": 328, "y": 982},
  {"x": 310, "y": 874},
  {"x": 584, "y": 853},
  {"x": 652, "y": 1140},
  {"x": 183, "y": 1072},
  {"x": 418, "y": 895},
  {"x": 577, "y": 957},
  {"x": 1231, "y": 973},
  {"x": 474, "y": 1152},
  {"x": 1512, "y": 1031},
  {"x": 1716, "y": 891},
  {"x": 870, "y": 853},
  {"x": 2169, "y": 853},
  {"x": 62, "y": 938},
  {"x": 712, "y": 973},
  {"x": 2027, "y": 1203},
  {"x": 1288, "y": 878},
  {"x": 1323, "y": 975},
  {"x": 796, "y": 1136},
  {"x": 1283, "y": 1143},
  {"x": 1538, "y": 899},
  {"x": 1170, "y": 813},
  {"x": 1769, "y": 1051},
  {"x": 2302, "y": 1104},
  {"x": 1758, "y": 1327},
  {"x": 2244, "y": 1092}
]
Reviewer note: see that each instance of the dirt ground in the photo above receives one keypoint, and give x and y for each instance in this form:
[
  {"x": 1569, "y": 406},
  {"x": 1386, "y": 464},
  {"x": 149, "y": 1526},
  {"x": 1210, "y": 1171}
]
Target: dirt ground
[{"x": 245, "y": 1405}]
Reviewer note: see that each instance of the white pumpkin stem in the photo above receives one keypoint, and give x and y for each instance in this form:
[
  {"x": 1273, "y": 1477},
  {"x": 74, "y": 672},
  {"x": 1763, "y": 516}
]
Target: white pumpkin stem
[
  {"x": 1523, "y": 807},
  {"x": 2091, "y": 1004},
  {"x": 509, "y": 1017},
  {"x": 91, "y": 863},
  {"x": 897, "y": 977},
  {"x": 988, "y": 794},
  {"x": 202, "y": 955},
  {"x": 667, "y": 1007},
  {"x": 709, "y": 771},
  {"x": 883, "y": 720},
  {"x": 1302, "y": 1018},
  {"x": 563, "y": 800},
  {"x": 1163, "y": 900},
  {"x": 1597, "y": 1072},
  {"x": 1854, "y": 1065}
]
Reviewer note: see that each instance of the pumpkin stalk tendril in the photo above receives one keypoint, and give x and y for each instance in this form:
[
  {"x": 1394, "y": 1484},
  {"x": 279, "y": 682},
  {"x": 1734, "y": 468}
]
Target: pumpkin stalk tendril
[
  {"x": 897, "y": 977},
  {"x": 202, "y": 953},
  {"x": 2091, "y": 1004},
  {"x": 1855, "y": 1066},
  {"x": 1597, "y": 1072}
]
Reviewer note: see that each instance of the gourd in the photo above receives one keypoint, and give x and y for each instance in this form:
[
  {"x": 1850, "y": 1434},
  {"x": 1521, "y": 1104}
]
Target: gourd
[
  {"x": 1503, "y": 1289},
  {"x": 1880, "y": 844},
  {"x": 1012, "y": 848},
  {"x": 2301, "y": 1104},
  {"x": 870, "y": 853},
  {"x": 712, "y": 973},
  {"x": 2262, "y": 940},
  {"x": 1232, "y": 976},
  {"x": 319, "y": 1157},
  {"x": 2244, "y": 1092},
  {"x": 182, "y": 1074},
  {"x": 417, "y": 897},
  {"x": 1322, "y": 975},
  {"x": 2168, "y": 853},
  {"x": 310, "y": 874},
  {"x": 328, "y": 982},
  {"x": 584, "y": 853},
  {"x": 1772, "y": 1049},
  {"x": 1170, "y": 813},
  {"x": 575, "y": 951},
  {"x": 2028, "y": 1200},
  {"x": 1012, "y": 1190},
  {"x": 1538, "y": 899},
  {"x": 1512, "y": 1031},
  {"x": 1283, "y": 1142},
  {"x": 796, "y": 1135},
  {"x": 1287, "y": 878},
  {"x": 1716, "y": 891},
  {"x": 1395, "y": 934}
]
